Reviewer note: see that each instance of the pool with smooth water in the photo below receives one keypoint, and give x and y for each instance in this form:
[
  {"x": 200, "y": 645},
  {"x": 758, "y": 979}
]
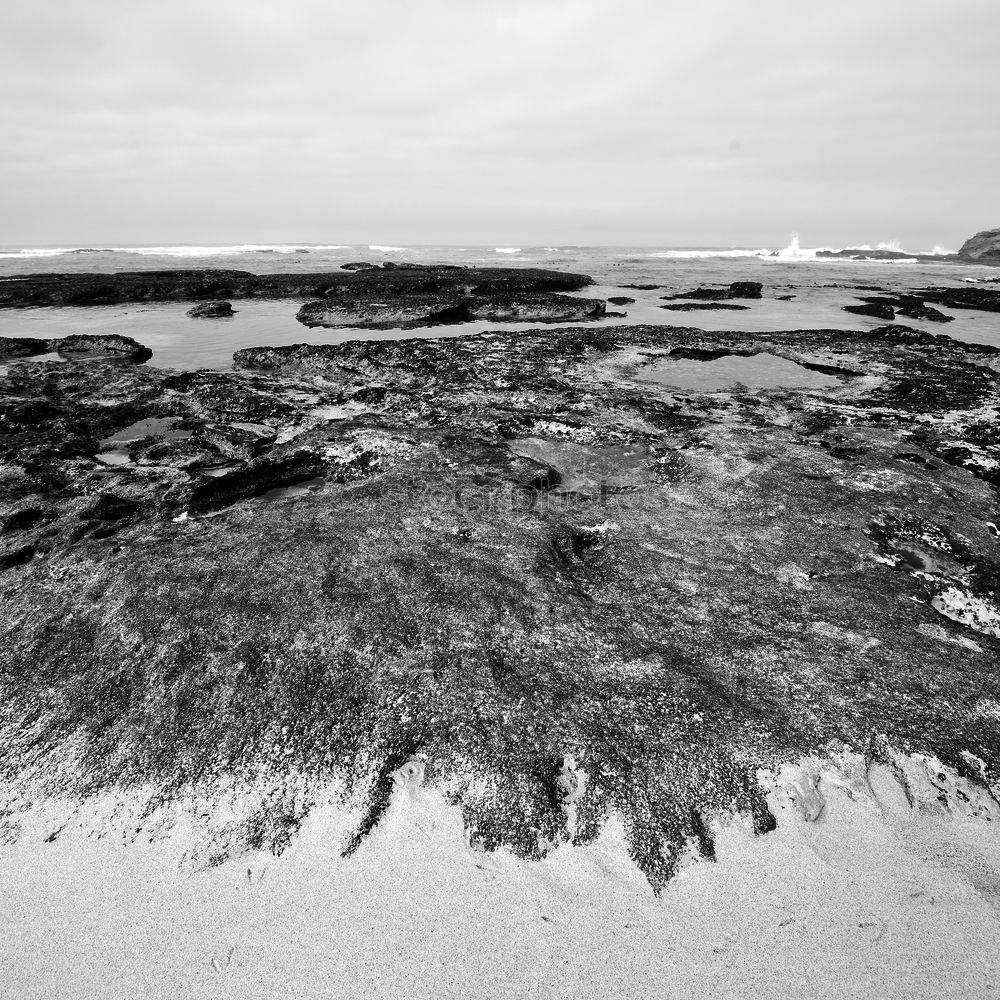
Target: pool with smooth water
[{"x": 757, "y": 371}]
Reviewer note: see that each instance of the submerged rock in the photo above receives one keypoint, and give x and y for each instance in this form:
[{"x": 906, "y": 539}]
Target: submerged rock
[
  {"x": 745, "y": 290},
  {"x": 737, "y": 290},
  {"x": 918, "y": 310},
  {"x": 694, "y": 306},
  {"x": 966, "y": 297},
  {"x": 879, "y": 310},
  {"x": 910, "y": 306},
  {"x": 211, "y": 310}
]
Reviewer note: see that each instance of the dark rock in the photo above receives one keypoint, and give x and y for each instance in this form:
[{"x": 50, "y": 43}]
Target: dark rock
[
  {"x": 901, "y": 335},
  {"x": 359, "y": 265},
  {"x": 736, "y": 290},
  {"x": 396, "y": 265},
  {"x": 966, "y": 297},
  {"x": 880, "y": 310},
  {"x": 234, "y": 442},
  {"x": 211, "y": 310},
  {"x": 910, "y": 306},
  {"x": 918, "y": 310},
  {"x": 211, "y": 283},
  {"x": 707, "y": 353},
  {"x": 692, "y": 306},
  {"x": 620, "y": 300},
  {"x": 702, "y": 294},
  {"x": 17, "y": 557},
  {"x": 109, "y": 507},
  {"x": 107, "y": 343},
  {"x": 26, "y": 518},
  {"x": 256, "y": 479},
  {"x": 746, "y": 290},
  {"x": 837, "y": 370},
  {"x": 431, "y": 309},
  {"x": 30, "y": 411},
  {"x": 22, "y": 347}
]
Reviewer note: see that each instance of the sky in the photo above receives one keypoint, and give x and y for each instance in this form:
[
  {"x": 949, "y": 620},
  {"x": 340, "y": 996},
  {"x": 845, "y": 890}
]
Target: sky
[{"x": 499, "y": 122}]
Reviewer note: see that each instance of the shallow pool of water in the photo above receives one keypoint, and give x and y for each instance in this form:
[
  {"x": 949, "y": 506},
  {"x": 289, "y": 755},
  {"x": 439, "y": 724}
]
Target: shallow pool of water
[
  {"x": 114, "y": 456},
  {"x": 314, "y": 485},
  {"x": 759, "y": 371},
  {"x": 819, "y": 292},
  {"x": 161, "y": 427}
]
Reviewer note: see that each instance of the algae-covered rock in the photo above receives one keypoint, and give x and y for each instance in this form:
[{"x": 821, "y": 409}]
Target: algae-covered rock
[{"x": 530, "y": 567}]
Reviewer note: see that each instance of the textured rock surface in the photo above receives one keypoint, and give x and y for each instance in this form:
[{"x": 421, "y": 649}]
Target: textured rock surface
[
  {"x": 983, "y": 247},
  {"x": 880, "y": 310},
  {"x": 965, "y": 297},
  {"x": 214, "y": 284},
  {"x": 887, "y": 306},
  {"x": 736, "y": 290},
  {"x": 211, "y": 310},
  {"x": 695, "y": 306},
  {"x": 394, "y": 295},
  {"x": 109, "y": 343},
  {"x": 487, "y": 556},
  {"x": 430, "y": 309}
]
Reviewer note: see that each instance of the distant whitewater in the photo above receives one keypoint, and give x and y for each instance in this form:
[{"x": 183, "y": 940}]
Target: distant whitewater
[
  {"x": 792, "y": 252},
  {"x": 181, "y": 250},
  {"x": 795, "y": 252}
]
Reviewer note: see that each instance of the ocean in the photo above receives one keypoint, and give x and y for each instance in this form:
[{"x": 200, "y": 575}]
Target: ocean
[{"x": 820, "y": 287}]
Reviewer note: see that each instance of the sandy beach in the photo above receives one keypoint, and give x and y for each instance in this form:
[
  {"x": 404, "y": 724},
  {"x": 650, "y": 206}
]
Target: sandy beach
[{"x": 878, "y": 895}]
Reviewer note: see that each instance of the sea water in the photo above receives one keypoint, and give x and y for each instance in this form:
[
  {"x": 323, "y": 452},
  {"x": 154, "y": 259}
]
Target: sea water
[{"x": 819, "y": 287}]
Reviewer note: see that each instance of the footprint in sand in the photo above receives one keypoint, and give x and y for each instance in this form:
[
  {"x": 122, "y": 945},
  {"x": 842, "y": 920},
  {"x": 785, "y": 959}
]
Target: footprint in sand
[{"x": 410, "y": 775}]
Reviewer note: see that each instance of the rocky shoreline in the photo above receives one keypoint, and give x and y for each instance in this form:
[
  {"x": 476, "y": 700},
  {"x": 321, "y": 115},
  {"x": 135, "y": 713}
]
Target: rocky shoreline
[
  {"x": 528, "y": 563},
  {"x": 387, "y": 297}
]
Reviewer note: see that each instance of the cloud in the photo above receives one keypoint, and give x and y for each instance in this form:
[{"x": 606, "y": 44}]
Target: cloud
[{"x": 589, "y": 120}]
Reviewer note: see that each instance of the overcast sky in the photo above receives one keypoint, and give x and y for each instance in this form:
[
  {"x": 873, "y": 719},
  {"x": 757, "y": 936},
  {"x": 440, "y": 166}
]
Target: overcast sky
[{"x": 708, "y": 122}]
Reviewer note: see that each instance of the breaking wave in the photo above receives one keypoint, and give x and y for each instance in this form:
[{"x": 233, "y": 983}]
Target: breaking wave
[
  {"x": 796, "y": 252},
  {"x": 506, "y": 249},
  {"x": 222, "y": 251},
  {"x": 375, "y": 246},
  {"x": 56, "y": 252},
  {"x": 792, "y": 252},
  {"x": 698, "y": 254},
  {"x": 180, "y": 250}
]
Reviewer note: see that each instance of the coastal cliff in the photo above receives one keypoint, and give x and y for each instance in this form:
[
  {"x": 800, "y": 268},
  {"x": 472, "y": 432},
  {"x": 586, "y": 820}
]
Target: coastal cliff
[{"x": 984, "y": 247}]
